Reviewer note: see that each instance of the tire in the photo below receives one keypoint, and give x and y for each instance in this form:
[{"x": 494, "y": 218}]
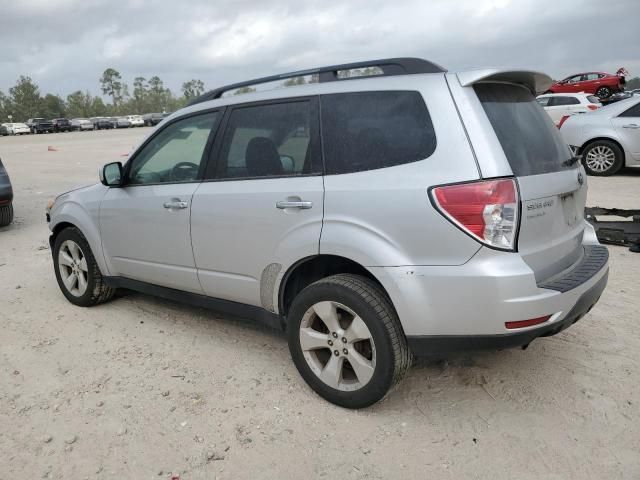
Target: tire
[
  {"x": 6, "y": 215},
  {"x": 95, "y": 289},
  {"x": 347, "y": 297},
  {"x": 602, "y": 158},
  {"x": 604, "y": 92}
]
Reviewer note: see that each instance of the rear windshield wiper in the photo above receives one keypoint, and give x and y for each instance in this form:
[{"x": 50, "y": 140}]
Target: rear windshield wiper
[{"x": 572, "y": 160}]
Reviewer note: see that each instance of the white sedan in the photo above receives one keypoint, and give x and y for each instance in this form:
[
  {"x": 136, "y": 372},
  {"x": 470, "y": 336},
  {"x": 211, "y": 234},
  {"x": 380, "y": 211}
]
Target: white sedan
[
  {"x": 17, "y": 128},
  {"x": 136, "y": 120},
  {"x": 559, "y": 105},
  {"x": 608, "y": 138}
]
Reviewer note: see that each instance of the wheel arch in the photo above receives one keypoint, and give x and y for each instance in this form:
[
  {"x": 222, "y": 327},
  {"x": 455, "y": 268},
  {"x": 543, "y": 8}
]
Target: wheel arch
[
  {"x": 608, "y": 139},
  {"x": 313, "y": 268},
  {"x": 73, "y": 215}
]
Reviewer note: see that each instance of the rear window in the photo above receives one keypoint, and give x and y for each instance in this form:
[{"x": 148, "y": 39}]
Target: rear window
[
  {"x": 593, "y": 99},
  {"x": 369, "y": 130},
  {"x": 530, "y": 140}
]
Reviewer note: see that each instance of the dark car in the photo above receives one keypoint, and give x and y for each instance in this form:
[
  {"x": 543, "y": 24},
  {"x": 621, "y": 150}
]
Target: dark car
[
  {"x": 102, "y": 123},
  {"x": 40, "y": 125},
  {"x": 3, "y": 131},
  {"x": 61, "y": 125},
  {"x": 151, "y": 119},
  {"x": 6, "y": 198}
]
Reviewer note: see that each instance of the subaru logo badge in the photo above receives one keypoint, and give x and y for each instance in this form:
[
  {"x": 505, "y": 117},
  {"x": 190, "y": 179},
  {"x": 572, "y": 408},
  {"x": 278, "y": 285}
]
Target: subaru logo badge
[{"x": 580, "y": 178}]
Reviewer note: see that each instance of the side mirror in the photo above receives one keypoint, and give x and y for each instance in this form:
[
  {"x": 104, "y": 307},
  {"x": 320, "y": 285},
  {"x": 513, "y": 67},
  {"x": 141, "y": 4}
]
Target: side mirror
[{"x": 111, "y": 174}]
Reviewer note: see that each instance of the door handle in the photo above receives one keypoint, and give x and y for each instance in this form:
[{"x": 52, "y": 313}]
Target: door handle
[
  {"x": 175, "y": 203},
  {"x": 301, "y": 204},
  {"x": 631, "y": 125}
]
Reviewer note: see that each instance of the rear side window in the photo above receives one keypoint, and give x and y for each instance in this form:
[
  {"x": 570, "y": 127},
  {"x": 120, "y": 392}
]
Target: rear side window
[
  {"x": 531, "y": 142},
  {"x": 632, "y": 112},
  {"x": 561, "y": 101},
  {"x": 369, "y": 130}
]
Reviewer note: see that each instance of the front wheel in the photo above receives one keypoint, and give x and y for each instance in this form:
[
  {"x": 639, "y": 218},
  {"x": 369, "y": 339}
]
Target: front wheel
[
  {"x": 6, "y": 215},
  {"x": 346, "y": 340},
  {"x": 602, "y": 158},
  {"x": 77, "y": 272}
]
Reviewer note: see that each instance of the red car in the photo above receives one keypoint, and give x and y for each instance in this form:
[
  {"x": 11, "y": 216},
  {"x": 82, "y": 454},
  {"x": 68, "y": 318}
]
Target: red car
[{"x": 601, "y": 84}]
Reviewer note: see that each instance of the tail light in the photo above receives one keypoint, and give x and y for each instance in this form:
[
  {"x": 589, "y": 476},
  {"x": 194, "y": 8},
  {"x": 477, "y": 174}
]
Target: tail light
[
  {"x": 486, "y": 210},
  {"x": 592, "y": 107},
  {"x": 562, "y": 120}
]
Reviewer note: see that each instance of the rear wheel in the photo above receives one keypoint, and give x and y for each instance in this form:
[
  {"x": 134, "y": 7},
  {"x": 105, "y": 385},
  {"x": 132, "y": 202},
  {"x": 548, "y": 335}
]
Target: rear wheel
[
  {"x": 604, "y": 92},
  {"x": 77, "y": 272},
  {"x": 346, "y": 340},
  {"x": 6, "y": 215},
  {"x": 602, "y": 158}
]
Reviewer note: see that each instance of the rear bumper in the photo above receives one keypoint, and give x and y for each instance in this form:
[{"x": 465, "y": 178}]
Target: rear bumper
[
  {"x": 464, "y": 307},
  {"x": 436, "y": 345}
]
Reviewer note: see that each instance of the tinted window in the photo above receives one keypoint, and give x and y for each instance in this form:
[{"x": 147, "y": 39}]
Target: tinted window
[
  {"x": 632, "y": 112},
  {"x": 175, "y": 153},
  {"x": 592, "y": 76},
  {"x": 560, "y": 101},
  {"x": 544, "y": 101},
  {"x": 269, "y": 141},
  {"x": 593, "y": 99},
  {"x": 369, "y": 130},
  {"x": 531, "y": 143}
]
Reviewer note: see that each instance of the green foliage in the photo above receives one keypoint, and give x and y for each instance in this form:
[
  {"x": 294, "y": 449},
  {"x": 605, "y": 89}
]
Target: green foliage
[
  {"x": 192, "y": 88},
  {"x": 632, "y": 83},
  {"x": 111, "y": 85},
  {"x": 24, "y": 100},
  {"x": 242, "y": 90}
]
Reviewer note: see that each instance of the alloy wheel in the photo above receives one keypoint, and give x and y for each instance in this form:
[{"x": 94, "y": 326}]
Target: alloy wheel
[
  {"x": 338, "y": 346},
  {"x": 72, "y": 265},
  {"x": 600, "y": 158}
]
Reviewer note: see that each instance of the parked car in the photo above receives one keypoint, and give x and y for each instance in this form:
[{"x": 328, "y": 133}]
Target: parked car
[
  {"x": 102, "y": 123},
  {"x": 4, "y": 130},
  {"x": 16, "y": 129},
  {"x": 596, "y": 83},
  {"x": 151, "y": 119},
  {"x": 122, "y": 122},
  {"x": 6, "y": 198},
  {"x": 81, "y": 124},
  {"x": 608, "y": 139},
  {"x": 616, "y": 97},
  {"x": 136, "y": 120},
  {"x": 559, "y": 105},
  {"x": 483, "y": 245},
  {"x": 40, "y": 125},
  {"x": 61, "y": 125}
]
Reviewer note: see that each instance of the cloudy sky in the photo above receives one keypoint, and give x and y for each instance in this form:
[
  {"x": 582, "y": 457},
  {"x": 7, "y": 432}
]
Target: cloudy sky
[{"x": 65, "y": 45}]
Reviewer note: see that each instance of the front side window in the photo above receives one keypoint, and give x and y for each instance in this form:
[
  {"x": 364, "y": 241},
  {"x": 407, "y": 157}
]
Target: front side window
[
  {"x": 369, "y": 130},
  {"x": 270, "y": 140},
  {"x": 175, "y": 153}
]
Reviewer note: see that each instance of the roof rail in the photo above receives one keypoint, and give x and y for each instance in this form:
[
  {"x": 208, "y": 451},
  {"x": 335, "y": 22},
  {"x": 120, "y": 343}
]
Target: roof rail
[{"x": 389, "y": 67}]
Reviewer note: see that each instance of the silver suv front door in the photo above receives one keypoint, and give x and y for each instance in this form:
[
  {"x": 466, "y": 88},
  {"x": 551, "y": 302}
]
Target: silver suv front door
[{"x": 145, "y": 224}]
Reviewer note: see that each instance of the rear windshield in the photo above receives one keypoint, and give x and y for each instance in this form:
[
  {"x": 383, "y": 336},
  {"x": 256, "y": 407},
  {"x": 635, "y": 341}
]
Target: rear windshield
[{"x": 531, "y": 142}]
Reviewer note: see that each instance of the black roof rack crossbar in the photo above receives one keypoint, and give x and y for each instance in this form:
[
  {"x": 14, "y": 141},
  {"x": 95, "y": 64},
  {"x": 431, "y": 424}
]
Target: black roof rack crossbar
[{"x": 389, "y": 67}]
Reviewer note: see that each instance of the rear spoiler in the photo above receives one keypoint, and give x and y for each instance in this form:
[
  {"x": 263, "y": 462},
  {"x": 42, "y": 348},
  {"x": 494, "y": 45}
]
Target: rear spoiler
[{"x": 537, "y": 82}]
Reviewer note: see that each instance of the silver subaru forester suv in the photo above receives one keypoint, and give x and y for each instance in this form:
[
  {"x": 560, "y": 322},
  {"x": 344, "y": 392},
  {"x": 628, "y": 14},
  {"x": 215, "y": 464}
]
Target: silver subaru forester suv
[{"x": 412, "y": 211}]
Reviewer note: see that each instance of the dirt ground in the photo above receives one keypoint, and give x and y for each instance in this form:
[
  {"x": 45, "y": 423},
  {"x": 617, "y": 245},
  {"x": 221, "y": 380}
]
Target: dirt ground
[{"x": 146, "y": 388}]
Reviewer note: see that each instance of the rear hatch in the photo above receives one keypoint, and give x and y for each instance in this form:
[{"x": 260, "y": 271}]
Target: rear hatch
[{"x": 552, "y": 188}]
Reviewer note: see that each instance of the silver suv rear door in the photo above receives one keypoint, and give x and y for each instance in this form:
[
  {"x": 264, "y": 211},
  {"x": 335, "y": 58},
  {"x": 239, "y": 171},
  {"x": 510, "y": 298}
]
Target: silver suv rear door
[{"x": 262, "y": 206}]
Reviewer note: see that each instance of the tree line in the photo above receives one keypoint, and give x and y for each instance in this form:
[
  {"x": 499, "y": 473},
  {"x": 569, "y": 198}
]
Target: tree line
[{"x": 24, "y": 100}]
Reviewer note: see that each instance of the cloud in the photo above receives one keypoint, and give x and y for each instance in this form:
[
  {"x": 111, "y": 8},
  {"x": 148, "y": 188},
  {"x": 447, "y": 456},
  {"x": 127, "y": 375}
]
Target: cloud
[{"x": 66, "y": 45}]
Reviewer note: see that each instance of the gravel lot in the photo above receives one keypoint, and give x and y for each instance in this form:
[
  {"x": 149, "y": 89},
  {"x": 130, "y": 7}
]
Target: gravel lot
[{"x": 145, "y": 388}]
